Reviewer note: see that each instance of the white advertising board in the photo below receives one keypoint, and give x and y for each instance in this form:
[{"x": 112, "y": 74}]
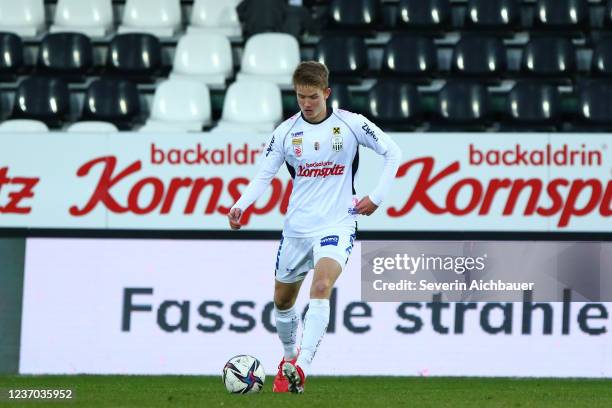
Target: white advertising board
[{"x": 184, "y": 307}]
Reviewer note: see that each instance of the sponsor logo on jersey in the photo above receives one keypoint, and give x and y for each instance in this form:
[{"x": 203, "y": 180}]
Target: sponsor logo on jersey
[
  {"x": 337, "y": 143},
  {"x": 369, "y": 132},
  {"x": 335, "y": 170},
  {"x": 330, "y": 240},
  {"x": 336, "y": 131},
  {"x": 297, "y": 134},
  {"x": 269, "y": 149}
]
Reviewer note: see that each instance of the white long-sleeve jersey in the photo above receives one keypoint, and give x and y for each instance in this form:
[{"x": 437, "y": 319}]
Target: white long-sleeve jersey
[{"x": 322, "y": 159}]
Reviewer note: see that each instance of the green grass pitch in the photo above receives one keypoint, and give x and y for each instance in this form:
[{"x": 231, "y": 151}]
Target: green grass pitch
[{"x": 370, "y": 392}]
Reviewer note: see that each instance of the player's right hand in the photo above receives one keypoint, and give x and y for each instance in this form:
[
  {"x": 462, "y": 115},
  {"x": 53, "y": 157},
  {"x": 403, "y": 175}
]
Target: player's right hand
[{"x": 234, "y": 218}]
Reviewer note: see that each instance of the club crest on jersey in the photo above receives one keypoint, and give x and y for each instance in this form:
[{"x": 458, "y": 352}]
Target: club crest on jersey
[
  {"x": 337, "y": 143},
  {"x": 317, "y": 145}
]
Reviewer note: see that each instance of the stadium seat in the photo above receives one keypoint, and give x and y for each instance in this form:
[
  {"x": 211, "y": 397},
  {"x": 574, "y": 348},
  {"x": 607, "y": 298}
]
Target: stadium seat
[
  {"x": 463, "y": 103},
  {"x": 533, "y": 104},
  {"x": 561, "y": 14},
  {"x": 496, "y": 15},
  {"x": 394, "y": 105},
  {"x": 601, "y": 63},
  {"x": 44, "y": 99},
  {"x": 115, "y": 101},
  {"x": 251, "y": 106},
  {"x": 23, "y": 125},
  {"x": 92, "y": 127},
  {"x": 344, "y": 56},
  {"x": 270, "y": 57},
  {"x": 93, "y": 18},
  {"x": 477, "y": 56},
  {"x": 11, "y": 55},
  {"x": 25, "y": 17},
  {"x": 354, "y": 14},
  {"x": 595, "y": 105},
  {"x": 135, "y": 55},
  {"x": 340, "y": 97},
  {"x": 205, "y": 57},
  {"x": 549, "y": 57},
  {"x": 214, "y": 16},
  {"x": 180, "y": 104},
  {"x": 69, "y": 54},
  {"x": 410, "y": 56},
  {"x": 427, "y": 15},
  {"x": 161, "y": 18}
]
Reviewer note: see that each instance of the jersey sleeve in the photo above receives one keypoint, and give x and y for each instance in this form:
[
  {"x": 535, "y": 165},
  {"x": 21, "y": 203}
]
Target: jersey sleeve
[
  {"x": 371, "y": 136},
  {"x": 270, "y": 161}
]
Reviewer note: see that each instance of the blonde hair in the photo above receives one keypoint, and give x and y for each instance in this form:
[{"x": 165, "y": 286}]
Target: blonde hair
[{"x": 311, "y": 73}]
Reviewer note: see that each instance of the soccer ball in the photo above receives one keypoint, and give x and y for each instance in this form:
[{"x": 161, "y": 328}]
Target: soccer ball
[{"x": 243, "y": 375}]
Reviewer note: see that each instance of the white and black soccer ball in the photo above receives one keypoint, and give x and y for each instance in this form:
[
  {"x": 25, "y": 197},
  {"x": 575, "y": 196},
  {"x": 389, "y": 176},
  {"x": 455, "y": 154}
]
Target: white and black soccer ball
[{"x": 243, "y": 375}]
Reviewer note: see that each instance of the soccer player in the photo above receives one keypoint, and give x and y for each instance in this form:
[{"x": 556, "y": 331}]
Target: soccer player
[{"x": 320, "y": 147}]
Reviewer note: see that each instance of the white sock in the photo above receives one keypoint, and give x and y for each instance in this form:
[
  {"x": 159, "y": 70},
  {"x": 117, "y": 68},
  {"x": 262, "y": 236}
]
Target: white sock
[
  {"x": 315, "y": 326},
  {"x": 286, "y": 327}
]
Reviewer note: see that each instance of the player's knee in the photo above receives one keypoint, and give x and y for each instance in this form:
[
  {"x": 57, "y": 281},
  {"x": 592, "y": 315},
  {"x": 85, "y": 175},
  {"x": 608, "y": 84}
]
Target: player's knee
[
  {"x": 321, "y": 289},
  {"x": 283, "y": 304},
  {"x": 283, "y": 301}
]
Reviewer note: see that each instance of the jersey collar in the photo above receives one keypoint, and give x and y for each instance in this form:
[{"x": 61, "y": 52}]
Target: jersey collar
[{"x": 329, "y": 113}]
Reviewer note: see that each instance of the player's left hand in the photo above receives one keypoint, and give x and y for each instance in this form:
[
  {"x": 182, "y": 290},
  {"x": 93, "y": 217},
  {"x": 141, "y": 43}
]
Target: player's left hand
[{"x": 365, "y": 206}]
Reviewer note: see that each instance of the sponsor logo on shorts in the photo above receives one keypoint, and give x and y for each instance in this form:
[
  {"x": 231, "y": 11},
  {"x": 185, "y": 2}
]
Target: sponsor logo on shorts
[{"x": 330, "y": 240}]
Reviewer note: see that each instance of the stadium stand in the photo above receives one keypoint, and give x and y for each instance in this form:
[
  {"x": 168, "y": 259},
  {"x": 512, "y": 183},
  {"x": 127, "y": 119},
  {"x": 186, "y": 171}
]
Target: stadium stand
[{"x": 408, "y": 48}]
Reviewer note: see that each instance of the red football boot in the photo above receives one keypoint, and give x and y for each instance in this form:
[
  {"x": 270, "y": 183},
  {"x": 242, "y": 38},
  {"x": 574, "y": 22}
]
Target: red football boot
[
  {"x": 280, "y": 381},
  {"x": 295, "y": 377}
]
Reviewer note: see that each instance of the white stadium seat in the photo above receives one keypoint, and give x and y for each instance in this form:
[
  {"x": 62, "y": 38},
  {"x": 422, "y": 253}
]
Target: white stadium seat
[
  {"x": 216, "y": 16},
  {"x": 180, "y": 104},
  {"x": 93, "y": 18},
  {"x": 24, "y": 17},
  {"x": 161, "y": 18},
  {"x": 203, "y": 57},
  {"x": 254, "y": 106},
  {"x": 23, "y": 125},
  {"x": 92, "y": 127},
  {"x": 270, "y": 57}
]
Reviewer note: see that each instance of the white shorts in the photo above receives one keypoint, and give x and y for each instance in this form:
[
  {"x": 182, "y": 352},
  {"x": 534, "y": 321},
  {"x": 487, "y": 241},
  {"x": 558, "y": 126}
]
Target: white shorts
[{"x": 297, "y": 256}]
